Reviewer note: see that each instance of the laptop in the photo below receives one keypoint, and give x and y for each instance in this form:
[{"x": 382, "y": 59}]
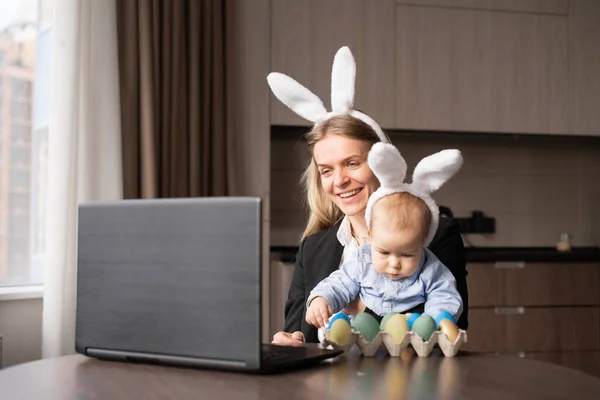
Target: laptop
[{"x": 177, "y": 282}]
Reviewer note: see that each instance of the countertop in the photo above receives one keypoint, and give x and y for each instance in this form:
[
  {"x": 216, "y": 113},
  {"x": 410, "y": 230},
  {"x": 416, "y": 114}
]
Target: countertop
[
  {"x": 492, "y": 254},
  {"x": 532, "y": 254},
  {"x": 467, "y": 376}
]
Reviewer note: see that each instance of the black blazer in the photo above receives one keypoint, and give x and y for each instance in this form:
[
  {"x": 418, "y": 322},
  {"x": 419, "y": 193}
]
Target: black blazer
[{"x": 320, "y": 254}]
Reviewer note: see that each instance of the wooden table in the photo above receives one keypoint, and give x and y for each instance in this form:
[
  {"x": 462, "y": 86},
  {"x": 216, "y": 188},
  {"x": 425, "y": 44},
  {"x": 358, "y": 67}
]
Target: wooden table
[{"x": 466, "y": 376}]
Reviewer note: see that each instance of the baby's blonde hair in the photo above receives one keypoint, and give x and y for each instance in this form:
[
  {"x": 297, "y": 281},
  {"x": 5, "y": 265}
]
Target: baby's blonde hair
[
  {"x": 323, "y": 213},
  {"x": 401, "y": 211}
]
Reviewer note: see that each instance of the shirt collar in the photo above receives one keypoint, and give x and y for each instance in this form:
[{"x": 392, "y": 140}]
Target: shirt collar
[{"x": 344, "y": 234}]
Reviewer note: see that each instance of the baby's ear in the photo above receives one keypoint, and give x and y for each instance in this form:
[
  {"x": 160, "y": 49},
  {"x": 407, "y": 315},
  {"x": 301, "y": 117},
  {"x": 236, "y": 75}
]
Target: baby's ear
[
  {"x": 387, "y": 164},
  {"x": 435, "y": 170},
  {"x": 298, "y": 98}
]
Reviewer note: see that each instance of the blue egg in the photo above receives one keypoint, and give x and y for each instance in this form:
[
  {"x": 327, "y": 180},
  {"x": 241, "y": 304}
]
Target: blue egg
[
  {"x": 444, "y": 315},
  {"x": 337, "y": 316},
  {"x": 412, "y": 318}
]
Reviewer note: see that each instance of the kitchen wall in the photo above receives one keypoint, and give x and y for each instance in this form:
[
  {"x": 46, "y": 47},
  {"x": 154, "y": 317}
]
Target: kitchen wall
[
  {"x": 535, "y": 186},
  {"x": 21, "y": 331}
]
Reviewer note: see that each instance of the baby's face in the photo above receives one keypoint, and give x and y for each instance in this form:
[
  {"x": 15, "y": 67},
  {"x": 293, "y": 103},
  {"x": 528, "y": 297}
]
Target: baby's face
[{"x": 396, "y": 253}]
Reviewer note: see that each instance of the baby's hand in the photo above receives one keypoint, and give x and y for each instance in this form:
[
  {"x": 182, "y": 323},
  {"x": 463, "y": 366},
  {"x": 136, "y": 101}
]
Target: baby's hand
[{"x": 318, "y": 312}]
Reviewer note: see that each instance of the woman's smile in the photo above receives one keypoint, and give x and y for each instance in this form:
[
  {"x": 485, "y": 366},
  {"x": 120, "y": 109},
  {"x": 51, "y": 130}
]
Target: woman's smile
[{"x": 350, "y": 194}]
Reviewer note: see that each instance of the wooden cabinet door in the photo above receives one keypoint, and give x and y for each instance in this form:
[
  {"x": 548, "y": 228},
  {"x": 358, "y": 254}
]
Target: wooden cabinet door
[
  {"x": 533, "y": 284},
  {"x": 533, "y": 6},
  {"x": 464, "y": 69},
  {"x": 584, "y": 67},
  {"x": 517, "y": 329},
  {"x": 305, "y": 36},
  {"x": 280, "y": 279}
]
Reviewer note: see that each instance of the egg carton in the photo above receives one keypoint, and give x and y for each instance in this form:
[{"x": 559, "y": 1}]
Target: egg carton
[{"x": 422, "y": 348}]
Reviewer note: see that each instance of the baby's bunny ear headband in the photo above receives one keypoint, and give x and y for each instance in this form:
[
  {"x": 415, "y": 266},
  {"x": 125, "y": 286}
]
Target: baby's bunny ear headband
[
  {"x": 429, "y": 175},
  {"x": 307, "y": 105}
]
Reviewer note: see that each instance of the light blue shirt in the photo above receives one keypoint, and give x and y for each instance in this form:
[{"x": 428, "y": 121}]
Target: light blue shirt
[{"x": 432, "y": 284}]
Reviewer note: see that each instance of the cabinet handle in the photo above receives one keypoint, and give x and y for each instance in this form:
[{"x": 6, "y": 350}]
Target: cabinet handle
[
  {"x": 509, "y": 264},
  {"x": 509, "y": 310}
]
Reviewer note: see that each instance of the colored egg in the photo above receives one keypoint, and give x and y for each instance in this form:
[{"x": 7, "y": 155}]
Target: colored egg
[
  {"x": 340, "y": 331},
  {"x": 385, "y": 319},
  {"x": 337, "y": 316},
  {"x": 424, "y": 326},
  {"x": 449, "y": 329},
  {"x": 397, "y": 327},
  {"x": 411, "y": 318},
  {"x": 367, "y": 325},
  {"x": 444, "y": 315}
]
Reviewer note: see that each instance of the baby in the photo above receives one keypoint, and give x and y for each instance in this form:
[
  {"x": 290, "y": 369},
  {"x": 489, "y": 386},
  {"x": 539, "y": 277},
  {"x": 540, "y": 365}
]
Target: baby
[{"x": 395, "y": 271}]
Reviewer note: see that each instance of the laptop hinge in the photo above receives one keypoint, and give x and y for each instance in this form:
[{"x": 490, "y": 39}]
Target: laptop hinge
[{"x": 132, "y": 356}]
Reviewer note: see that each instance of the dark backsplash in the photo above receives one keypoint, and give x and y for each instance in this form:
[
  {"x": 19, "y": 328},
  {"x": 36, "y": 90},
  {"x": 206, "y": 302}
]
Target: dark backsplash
[{"x": 536, "y": 187}]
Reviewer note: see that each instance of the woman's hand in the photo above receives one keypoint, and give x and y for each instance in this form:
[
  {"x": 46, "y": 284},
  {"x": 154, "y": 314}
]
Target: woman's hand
[
  {"x": 288, "y": 339},
  {"x": 355, "y": 307},
  {"x": 318, "y": 312}
]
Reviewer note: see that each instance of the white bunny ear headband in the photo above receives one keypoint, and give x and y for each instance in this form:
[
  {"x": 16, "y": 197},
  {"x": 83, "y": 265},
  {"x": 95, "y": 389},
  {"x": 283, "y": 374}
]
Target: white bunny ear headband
[
  {"x": 429, "y": 175},
  {"x": 307, "y": 105}
]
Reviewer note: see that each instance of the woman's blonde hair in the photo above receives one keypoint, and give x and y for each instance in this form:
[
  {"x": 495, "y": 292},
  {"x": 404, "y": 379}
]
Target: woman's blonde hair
[{"x": 323, "y": 213}]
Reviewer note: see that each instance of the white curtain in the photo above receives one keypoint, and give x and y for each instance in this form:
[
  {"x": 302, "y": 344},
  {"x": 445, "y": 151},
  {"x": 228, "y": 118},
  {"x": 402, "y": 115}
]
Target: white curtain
[{"x": 84, "y": 150}]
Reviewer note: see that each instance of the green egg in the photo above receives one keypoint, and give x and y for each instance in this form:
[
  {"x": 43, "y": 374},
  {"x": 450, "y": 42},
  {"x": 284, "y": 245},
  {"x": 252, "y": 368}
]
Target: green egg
[
  {"x": 385, "y": 319},
  {"x": 367, "y": 325},
  {"x": 340, "y": 331},
  {"x": 424, "y": 326}
]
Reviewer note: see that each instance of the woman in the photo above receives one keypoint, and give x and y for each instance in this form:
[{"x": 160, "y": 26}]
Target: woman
[{"x": 338, "y": 183}]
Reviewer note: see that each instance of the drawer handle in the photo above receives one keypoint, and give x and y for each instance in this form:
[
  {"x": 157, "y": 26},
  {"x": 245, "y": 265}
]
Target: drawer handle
[
  {"x": 509, "y": 310},
  {"x": 509, "y": 264}
]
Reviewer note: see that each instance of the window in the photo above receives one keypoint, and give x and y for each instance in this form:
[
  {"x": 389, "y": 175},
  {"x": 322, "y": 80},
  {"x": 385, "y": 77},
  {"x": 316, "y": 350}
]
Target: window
[
  {"x": 20, "y": 110},
  {"x": 20, "y": 89},
  {"x": 20, "y": 135},
  {"x": 25, "y": 40},
  {"x": 19, "y": 179},
  {"x": 20, "y": 154}
]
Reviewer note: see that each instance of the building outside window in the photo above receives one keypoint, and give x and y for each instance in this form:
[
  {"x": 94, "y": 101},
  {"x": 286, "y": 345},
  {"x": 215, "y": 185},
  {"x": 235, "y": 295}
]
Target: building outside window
[{"x": 25, "y": 71}]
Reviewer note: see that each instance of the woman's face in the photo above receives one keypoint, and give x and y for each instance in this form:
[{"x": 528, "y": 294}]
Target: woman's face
[{"x": 345, "y": 174}]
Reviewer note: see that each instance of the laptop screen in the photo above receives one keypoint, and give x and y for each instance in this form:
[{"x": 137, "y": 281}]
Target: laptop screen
[{"x": 178, "y": 277}]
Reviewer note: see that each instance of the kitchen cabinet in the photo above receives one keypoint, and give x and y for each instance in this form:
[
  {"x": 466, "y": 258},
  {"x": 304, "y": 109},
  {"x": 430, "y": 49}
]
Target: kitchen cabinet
[
  {"x": 463, "y": 69},
  {"x": 516, "y": 66},
  {"x": 542, "y": 310},
  {"x": 281, "y": 279},
  {"x": 539, "y": 329},
  {"x": 532, "y": 6},
  {"x": 533, "y": 284},
  {"x": 584, "y": 65},
  {"x": 305, "y": 36}
]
